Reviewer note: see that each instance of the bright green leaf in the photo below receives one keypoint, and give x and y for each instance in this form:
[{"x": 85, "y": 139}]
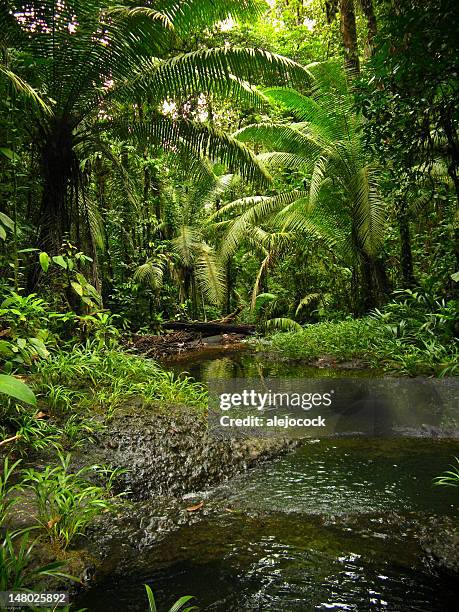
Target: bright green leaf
[
  {"x": 6, "y": 221},
  {"x": 77, "y": 288},
  {"x": 9, "y": 153},
  {"x": 9, "y": 385},
  {"x": 44, "y": 261},
  {"x": 60, "y": 261}
]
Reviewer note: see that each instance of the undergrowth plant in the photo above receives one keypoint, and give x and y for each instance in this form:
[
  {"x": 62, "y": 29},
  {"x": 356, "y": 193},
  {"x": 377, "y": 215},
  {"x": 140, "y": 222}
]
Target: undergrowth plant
[
  {"x": 67, "y": 502},
  {"x": 412, "y": 335},
  {"x": 449, "y": 478},
  {"x": 178, "y": 606},
  {"x": 17, "y": 570},
  {"x": 7, "y": 489},
  {"x": 104, "y": 379}
]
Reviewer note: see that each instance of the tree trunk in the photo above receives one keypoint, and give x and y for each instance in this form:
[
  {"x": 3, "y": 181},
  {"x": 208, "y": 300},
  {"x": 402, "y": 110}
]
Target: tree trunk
[
  {"x": 369, "y": 12},
  {"x": 453, "y": 171},
  {"x": 230, "y": 282},
  {"x": 58, "y": 166},
  {"x": 406, "y": 258},
  {"x": 56, "y": 207},
  {"x": 375, "y": 284},
  {"x": 349, "y": 34}
]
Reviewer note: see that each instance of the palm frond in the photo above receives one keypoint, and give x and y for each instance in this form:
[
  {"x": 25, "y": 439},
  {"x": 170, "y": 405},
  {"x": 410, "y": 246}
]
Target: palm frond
[
  {"x": 144, "y": 11},
  {"x": 222, "y": 70},
  {"x": 89, "y": 211},
  {"x": 276, "y": 160},
  {"x": 192, "y": 15},
  {"x": 151, "y": 273},
  {"x": 367, "y": 210},
  {"x": 304, "y": 108},
  {"x": 185, "y": 244},
  {"x": 308, "y": 299},
  {"x": 210, "y": 274},
  {"x": 196, "y": 139},
  {"x": 258, "y": 208},
  {"x": 281, "y": 137},
  {"x": 282, "y": 324},
  {"x": 21, "y": 86}
]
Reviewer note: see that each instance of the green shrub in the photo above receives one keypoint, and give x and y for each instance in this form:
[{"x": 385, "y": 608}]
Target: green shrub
[
  {"x": 344, "y": 340},
  {"x": 178, "y": 606},
  {"x": 412, "y": 335},
  {"x": 450, "y": 478},
  {"x": 17, "y": 570}
]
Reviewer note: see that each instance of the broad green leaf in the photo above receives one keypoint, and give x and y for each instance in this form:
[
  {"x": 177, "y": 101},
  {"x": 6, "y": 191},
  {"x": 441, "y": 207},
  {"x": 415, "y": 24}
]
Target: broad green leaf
[
  {"x": 455, "y": 277},
  {"x": 9, "y": 385},
  {"x": 60, "y": 261},
  {"x": 9, "y": 153},
  {"x": 77, "y": 288},
  {"x": 40, "y": 347},
  {"x": 44, "y": 261},
  {"x": 5, "y": 348},
  {"x": 7, "y": 221}
]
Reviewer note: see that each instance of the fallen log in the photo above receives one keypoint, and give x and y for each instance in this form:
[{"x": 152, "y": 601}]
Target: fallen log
[
  {"x": 211, "y": 329},
  {"x": 230, "y": 317}
]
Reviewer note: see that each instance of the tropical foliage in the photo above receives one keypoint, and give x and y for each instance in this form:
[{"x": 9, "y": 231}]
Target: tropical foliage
[
  {"x": 292, "y": 165},
  {"x": 340, "y": 203}
]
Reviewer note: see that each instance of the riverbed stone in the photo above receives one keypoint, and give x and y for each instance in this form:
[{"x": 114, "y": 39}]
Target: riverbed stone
[
  {"x": 440, "y": 544},
  {"x": 170, "y": 452}
]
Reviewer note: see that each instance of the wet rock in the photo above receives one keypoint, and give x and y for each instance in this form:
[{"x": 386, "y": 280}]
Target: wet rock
[
  {"x": 440, "y": 544},
  {"x": 173, "y": 453}
]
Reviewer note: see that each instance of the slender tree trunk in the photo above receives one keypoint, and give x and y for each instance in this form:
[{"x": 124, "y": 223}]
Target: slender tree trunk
[
  {"x": 406, "y": 257},
  {"x": 229, "y": 285},
  {"x": 155, "y": 190},
  {"x": 349, "y": 35},
  {"x": 453, "y": 171},
  {"x": 375, "y": 284},
  {"x": 372, "y": 27}
]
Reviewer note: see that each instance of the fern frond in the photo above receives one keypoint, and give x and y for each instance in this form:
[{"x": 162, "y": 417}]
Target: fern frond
[{"x": 311, "y": 297}]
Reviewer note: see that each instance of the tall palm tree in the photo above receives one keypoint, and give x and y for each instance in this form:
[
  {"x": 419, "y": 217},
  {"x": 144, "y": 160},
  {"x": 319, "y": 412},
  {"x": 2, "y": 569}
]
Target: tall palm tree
[
  {"x": 87, "y": 57},
  {"x": 340, "y": 204}
]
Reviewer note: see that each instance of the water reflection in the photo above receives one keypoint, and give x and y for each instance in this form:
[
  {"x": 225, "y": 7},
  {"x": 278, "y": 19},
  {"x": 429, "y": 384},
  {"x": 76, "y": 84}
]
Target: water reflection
[
  {"x": 333, "y": 526},
  {"x": 240, "y": 363}
]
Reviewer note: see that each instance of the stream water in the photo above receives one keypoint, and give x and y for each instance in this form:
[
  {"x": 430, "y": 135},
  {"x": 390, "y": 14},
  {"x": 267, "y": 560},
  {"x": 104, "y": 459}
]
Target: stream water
[{"x": 333, "y": 525}]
